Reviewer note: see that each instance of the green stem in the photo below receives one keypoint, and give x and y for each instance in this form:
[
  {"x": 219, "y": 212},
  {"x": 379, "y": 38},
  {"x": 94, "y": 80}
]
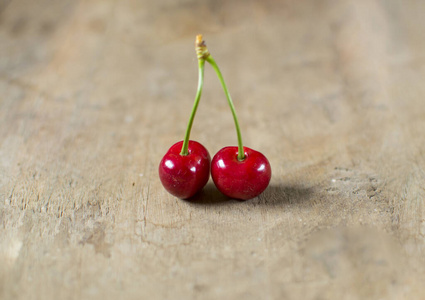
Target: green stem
[
  {"x": 185, "y": 147},
  {"x": 241, "y": 154}
]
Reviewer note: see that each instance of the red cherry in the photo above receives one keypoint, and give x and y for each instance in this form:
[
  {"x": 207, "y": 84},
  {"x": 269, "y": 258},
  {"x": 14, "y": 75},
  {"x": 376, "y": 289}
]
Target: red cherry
[
  {"x": 237, "y": 179},
  {"x": 185, "y": 175}
]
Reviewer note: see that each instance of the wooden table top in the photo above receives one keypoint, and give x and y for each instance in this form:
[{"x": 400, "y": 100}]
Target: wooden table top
[{"x": 93, "y": 93}]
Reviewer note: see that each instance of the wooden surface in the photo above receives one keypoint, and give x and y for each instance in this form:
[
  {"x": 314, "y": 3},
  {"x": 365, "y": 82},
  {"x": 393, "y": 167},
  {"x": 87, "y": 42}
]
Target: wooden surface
[{"x": 93, "y": 93}]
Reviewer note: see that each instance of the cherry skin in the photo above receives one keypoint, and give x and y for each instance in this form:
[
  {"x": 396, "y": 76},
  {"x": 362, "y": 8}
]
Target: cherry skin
[
  {"x": 244, "y": 179},
  {"x": 185, "y": 175}
]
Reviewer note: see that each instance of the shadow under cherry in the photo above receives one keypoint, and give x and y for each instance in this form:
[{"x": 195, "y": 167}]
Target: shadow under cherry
[{"x": 274, "y": 195}]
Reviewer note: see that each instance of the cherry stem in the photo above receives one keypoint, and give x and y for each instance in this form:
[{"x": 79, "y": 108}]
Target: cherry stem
[
  {"x": 201, "y": 64},
  {"x": 241, "y": 154}
]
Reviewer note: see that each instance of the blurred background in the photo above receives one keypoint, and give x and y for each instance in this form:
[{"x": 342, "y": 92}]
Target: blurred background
[{"x": 93, "y": 93}]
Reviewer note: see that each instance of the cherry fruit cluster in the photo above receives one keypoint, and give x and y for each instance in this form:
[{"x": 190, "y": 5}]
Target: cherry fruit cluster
[{"x": 238, "y": 172}]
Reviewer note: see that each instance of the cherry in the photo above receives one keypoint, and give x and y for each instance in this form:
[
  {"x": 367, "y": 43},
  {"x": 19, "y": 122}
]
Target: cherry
[
  {"x": 238, "y": 172},
  {"x": 185, "y": 175},
  {"x": 240, "y": 179},
  {"x": 185, "y": 168}
]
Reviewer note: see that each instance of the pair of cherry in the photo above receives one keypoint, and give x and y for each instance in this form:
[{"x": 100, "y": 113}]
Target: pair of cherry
[{"x": 238, "y": 172}]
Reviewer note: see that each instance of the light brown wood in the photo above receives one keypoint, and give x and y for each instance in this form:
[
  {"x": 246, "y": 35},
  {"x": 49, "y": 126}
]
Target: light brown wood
[{"x": 93, "y": 93}]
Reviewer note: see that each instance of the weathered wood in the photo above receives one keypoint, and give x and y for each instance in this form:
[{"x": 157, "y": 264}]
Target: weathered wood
[{"x": 92, "y": 94}]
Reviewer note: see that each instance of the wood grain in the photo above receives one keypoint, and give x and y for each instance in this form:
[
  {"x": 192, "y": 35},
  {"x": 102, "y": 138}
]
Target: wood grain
[{"x": 93, "y": 93}]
